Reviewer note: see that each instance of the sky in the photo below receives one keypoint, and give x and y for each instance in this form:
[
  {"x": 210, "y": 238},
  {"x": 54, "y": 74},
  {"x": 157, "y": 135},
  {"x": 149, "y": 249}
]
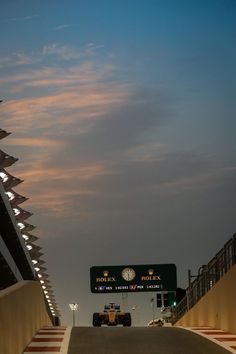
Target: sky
[{"x": 122, "y": 116}]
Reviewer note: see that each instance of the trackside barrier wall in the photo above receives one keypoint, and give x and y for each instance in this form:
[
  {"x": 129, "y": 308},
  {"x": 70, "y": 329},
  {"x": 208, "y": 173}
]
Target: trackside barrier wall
[
  {"x": 22, "y": 313},
  {"x": 208, "y": 276},
  {"x": 217, "y": 308}
]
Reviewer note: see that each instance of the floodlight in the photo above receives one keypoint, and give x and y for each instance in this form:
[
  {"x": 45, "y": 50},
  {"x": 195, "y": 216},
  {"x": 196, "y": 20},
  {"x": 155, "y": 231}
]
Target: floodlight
[
  {"x": 73, "y": 307},
  {"x": 21, "y": 225},
  {"x": 3, "y": 176},
  {"x": 16, "y": 211},
  {"x": 10, "y": 195}
]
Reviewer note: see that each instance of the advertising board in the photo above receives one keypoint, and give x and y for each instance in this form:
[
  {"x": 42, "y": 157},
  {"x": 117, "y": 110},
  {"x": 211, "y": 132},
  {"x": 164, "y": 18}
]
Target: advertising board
[{"x": 133, "y": 278}]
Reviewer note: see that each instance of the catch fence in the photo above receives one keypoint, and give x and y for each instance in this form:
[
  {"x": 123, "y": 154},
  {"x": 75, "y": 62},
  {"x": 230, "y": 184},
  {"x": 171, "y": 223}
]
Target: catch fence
[{"x": 208, "y": 276}]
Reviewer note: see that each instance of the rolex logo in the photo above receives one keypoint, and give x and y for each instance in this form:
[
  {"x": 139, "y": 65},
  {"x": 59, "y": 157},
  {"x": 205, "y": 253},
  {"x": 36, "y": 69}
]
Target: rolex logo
[
  {"x": 105, "y": 278},
  {"x": 150, "y": 276},
  {"x": 150, "y": 271}
]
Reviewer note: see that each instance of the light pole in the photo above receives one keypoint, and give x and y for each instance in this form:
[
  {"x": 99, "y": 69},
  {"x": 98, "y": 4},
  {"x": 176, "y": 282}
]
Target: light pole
[{"x": 73, "y": 307}]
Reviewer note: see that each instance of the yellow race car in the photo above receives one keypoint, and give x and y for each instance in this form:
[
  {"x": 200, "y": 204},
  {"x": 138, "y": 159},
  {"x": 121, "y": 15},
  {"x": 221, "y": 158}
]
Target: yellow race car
[{"x": 111, "y": 316}]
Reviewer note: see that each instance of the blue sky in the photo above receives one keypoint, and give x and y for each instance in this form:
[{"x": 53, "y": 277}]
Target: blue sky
[{"x": 123, "y": 117}]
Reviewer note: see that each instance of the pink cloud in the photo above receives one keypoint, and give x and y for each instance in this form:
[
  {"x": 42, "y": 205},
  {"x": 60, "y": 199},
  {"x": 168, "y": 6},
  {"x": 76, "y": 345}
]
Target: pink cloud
[
  {"x": 62, "y": 101},
  {"x": 65, "y": 108},
  {"x": 74, "y": 94},
  {"x": 35, "y": 142},
  {"x": 47, "y": 185},
  {"x": 34, "y": 171},
  {"x": 56, "y": 77}
]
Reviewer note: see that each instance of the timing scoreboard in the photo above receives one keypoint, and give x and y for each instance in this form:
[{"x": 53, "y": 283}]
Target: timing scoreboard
[{"x": 133, "y": 278}]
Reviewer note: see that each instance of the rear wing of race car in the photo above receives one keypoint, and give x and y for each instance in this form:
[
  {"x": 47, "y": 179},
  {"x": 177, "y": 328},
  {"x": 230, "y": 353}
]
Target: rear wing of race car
[{"x": 112, "y": 306}]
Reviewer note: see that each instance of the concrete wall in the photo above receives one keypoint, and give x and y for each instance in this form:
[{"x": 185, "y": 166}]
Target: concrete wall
[
  {"x": 22, "y": 313},
  {"x": 217, "y": 308}
]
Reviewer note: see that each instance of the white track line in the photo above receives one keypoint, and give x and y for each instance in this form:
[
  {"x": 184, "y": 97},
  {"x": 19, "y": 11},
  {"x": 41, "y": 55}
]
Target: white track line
[{"x": 66, "y": 340}]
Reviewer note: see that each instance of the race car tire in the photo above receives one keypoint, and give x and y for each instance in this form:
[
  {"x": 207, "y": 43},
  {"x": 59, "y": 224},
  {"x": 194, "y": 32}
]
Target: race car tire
[
  {"x": 96, "y": 320},
  {"x": 127, "y": 320}
]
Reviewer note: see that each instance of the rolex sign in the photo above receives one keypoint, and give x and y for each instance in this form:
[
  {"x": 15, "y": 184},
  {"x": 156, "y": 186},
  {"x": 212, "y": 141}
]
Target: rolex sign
[{"x": 133, "y": 278}]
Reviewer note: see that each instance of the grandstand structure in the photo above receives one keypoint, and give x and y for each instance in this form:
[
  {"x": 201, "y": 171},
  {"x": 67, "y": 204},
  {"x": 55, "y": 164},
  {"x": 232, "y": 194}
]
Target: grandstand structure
[{"x": 20, "y": 256}]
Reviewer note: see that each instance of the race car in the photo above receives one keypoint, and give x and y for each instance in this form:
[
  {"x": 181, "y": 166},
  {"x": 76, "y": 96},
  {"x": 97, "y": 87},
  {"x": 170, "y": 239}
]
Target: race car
[{"x": 111, "y": 316}]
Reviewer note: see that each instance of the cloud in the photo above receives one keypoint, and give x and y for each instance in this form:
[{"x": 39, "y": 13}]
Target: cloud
[
  {"x": 146, "y": 152},
  {"x": 125, "y": 127},
  {"x": 61, "y": 27},
  {"x": 63, "y": 109},
  {"x": 24, "y": 18},
  {"x": 89, "y": 122},
  {"x": 58, "y": 78},
  {"x": 41, "y": 171},
  {"x": 57, "y": 188},
  {"x": 203, "y": 180},
  {"x": 56, "y": 202},
  {"x": 75, "y": 97},
  {"x": 69, "y": 53},
  {"x": 35, "y": 142},
  {"x": 53, "y": 50},
  {"x": 17, "y": 59},
  {"x": 66, "y": 52},
  {"x": 133, "y": 182}
]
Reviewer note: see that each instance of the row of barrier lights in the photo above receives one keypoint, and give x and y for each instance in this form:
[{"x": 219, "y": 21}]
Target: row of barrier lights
[
  {"x": 29, "y": 247},
  {"x": 11, "y": 196},
  {"x": 44, "y": 288}
]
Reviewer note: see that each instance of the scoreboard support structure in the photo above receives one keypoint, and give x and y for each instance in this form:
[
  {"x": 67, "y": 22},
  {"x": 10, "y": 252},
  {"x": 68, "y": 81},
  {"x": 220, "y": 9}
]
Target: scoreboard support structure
[{"x": 124, "y": 298}]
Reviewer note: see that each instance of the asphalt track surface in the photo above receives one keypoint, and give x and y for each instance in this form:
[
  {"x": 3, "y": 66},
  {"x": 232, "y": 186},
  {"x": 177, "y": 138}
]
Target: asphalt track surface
[{"x": 138, "y": 340}]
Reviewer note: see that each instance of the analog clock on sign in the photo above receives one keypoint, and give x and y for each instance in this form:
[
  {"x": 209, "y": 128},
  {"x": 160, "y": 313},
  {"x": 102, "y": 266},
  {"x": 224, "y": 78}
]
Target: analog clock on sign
[{"x": 128, "y": 274}]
